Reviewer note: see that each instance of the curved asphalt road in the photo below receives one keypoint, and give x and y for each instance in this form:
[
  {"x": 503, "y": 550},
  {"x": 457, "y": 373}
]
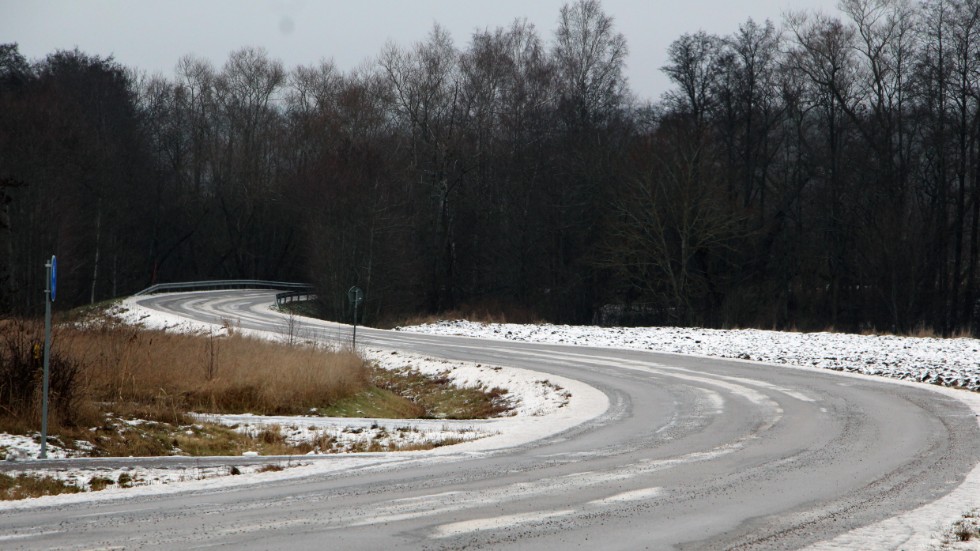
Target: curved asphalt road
[{"x": 692, "y": 453}]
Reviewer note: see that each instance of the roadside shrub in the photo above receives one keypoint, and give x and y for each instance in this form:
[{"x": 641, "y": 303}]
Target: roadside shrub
[{"x": 22, "y": 372}]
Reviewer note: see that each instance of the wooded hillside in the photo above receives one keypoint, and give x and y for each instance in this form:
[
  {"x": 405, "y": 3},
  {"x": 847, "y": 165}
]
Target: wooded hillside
[{"x": 820, "y": 172}]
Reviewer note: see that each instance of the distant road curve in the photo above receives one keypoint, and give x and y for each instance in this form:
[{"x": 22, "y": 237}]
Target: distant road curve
[{"x": 692, "y": 453}]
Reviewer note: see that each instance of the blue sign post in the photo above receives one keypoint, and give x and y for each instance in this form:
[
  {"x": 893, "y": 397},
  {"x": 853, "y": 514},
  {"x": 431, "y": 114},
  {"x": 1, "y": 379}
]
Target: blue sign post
[
  {"x": 49, "y": 293},
  {"x": 54, "y": 276}
]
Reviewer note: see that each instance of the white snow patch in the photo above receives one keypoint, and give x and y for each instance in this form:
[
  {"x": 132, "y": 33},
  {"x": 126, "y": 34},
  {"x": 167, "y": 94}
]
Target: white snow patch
[
  {"x": 495, "y": 523},
  {"x": 18, "y": 448},
  {"x": 642, "y": 494},
  {"x": 329, "y": 435}
]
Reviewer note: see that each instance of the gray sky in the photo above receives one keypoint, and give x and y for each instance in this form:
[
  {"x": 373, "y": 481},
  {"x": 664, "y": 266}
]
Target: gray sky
[{"x": 152, "y": 35}]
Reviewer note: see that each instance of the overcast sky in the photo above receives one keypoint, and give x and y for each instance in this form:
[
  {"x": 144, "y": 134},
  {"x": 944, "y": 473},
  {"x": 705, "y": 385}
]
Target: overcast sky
[{"x": 152, "y": 35}]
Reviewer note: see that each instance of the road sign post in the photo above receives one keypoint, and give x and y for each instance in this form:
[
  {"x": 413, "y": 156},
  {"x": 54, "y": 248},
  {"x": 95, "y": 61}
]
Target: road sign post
[
  {"x": 356, "y": 296},
  {"x": 49, "y": 295}
]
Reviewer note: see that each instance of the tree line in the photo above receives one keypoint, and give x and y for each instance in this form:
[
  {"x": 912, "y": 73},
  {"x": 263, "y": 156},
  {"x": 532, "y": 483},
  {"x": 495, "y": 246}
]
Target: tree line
[{"x": 823, "y": 173}]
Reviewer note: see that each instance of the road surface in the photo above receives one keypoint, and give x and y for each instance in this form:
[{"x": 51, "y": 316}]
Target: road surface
[{"x": 692, "y": 453}]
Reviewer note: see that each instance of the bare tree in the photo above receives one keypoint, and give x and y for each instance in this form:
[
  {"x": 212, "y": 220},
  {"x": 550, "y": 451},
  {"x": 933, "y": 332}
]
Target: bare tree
[
  {"x": 823, "y": 54},
  {"x": 694, "y": 65},
  {"x": 670, "y": 222},
  {"x": 755, "y": 48},
  {"x": 589, "y": 58},
  {"x": 951, "y": 67},
  {"x": 14, "y": 73},
  {"x": 885, "y": 43},
  {"x": 426, "y": 85},
  {"x": 248, "y": 92}
]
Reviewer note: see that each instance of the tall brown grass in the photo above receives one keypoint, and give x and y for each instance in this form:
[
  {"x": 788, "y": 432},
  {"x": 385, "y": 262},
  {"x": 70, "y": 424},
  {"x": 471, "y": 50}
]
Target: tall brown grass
[
  {"x": 206, "y": 373},
  {"x": 162, "y": 376},
  {"x": 21, "y": 376}
]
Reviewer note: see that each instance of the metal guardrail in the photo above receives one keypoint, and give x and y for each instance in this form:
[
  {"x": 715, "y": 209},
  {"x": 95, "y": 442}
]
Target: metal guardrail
[
  {"x": 294, "y": 296},
  {"x": 303, "y": 288}
]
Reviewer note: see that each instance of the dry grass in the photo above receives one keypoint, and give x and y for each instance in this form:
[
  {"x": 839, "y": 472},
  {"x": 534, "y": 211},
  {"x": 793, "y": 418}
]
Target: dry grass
[
  {"x": 485, "y": 311},
  {"x": 220, "y": 375},
  {"x": 25, "y": 486},
  {"x": 21, "y": 368},
  {"x": 921, "y": 331},
  {"x": 161, "y": 376},
  {"x": 966, "y": 529}
]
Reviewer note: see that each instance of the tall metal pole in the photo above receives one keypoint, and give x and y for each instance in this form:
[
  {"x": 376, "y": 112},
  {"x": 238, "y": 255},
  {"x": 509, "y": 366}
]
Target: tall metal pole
[
  {"x": 355, "y": 296},
  {"x": 354, "y": 337},
  {"x": 47, "y": 355}
]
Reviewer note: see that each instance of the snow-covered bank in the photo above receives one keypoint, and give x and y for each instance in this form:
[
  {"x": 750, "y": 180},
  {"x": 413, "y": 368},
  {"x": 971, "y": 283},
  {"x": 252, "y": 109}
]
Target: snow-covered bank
[
  {"x": 946, "y": 362},
  {"x": 539, "y": 407}
]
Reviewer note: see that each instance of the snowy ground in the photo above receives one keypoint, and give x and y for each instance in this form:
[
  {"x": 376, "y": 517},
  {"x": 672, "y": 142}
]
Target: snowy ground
[
  {"x": 953, "y": 363},
  {"x": 539, "y": 408},
  {"x": 946, "y": 362}
]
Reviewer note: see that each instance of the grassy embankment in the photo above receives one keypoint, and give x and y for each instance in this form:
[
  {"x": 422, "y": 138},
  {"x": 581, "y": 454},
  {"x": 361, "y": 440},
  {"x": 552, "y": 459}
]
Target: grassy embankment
[{"x": 129, "y": 392}]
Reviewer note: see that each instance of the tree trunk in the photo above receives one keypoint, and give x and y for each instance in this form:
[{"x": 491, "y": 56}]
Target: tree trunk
[
  {"x": 954, "y": 313},
  {"x": 98, "y": 245},
  {"x": 970, "y": 313},
  {"x": 6, "y": 253}
]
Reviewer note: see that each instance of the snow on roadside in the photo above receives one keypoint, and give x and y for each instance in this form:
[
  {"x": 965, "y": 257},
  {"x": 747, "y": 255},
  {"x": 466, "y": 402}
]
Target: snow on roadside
[
  {"x": 14, "y": 447},
  {"x": 136, "y": 477},
  {"x": 162, "y": 481},
  {"x": 539, "y": 407},
  {"x": 946, "y": 362},
  {"x": 953, "y": 363},
  {"x": 529, "y": 394}
]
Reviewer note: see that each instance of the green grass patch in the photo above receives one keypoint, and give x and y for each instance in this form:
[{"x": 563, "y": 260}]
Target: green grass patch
[
  {"x": 374, "y": 402},
  {"x": 437, "y": 397},
  {"x": 408, "y": 394}
]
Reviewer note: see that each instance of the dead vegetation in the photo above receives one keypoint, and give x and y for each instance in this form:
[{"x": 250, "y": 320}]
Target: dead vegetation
[
  {"x": 965, "y": 531},
  {"x": 481, "y": 311},
  {"x": 160, "y": 376},
  {"x": 122, "y": 391},
  {"x": 104, "y": 376},
  {"x": 24, "y": 486}
]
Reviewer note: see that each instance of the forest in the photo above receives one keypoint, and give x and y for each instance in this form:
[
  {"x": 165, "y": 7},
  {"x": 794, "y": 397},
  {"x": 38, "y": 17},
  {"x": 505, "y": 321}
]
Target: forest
[{"x": 822, "y": 172}]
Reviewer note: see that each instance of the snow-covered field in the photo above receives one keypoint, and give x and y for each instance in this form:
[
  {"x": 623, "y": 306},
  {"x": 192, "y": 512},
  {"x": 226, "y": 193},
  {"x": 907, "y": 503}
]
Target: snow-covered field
[{"x": 946, "y": 362}]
